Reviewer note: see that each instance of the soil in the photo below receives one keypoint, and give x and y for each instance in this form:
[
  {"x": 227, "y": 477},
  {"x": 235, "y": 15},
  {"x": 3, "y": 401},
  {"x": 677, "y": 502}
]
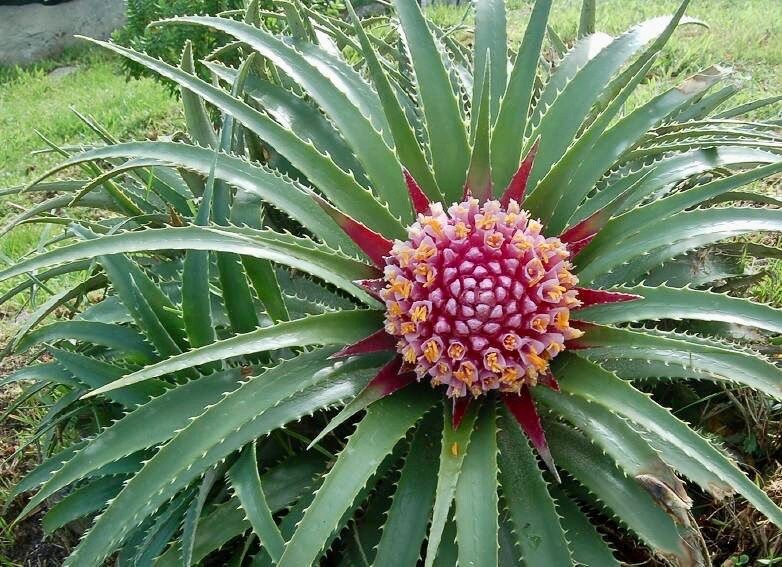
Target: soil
[{"x": 28, "y": 547}]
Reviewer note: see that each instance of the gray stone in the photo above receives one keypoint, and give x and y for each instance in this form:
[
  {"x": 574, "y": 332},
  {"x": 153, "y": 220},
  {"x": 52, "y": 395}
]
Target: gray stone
[
  {"x": 371, "y": 9},
  {"x": 61, "y": 72},
  {"x": 33, "y": 31}
]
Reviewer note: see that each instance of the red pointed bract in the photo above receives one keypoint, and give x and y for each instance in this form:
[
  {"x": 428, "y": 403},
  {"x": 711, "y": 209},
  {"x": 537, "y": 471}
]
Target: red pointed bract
[
  {"x": 587, "y": 228},
  {"x": 481, "y": 191},
  {"x": 460, "y": 406},
  {"x": 549, "y": 381},
  {"x": 376, "y": 342},
  {"x": 588, "y": 296},
  {"x": 518, "y": 184},
  {"x": 523, "y": 409},
  {"x": 417, "y": 196},
  {"x": 372, "y": 287},
  {"x": 374, "y": 245},
  {"x": 576, "y": 247},
  {"x": 388, "y": 380}
]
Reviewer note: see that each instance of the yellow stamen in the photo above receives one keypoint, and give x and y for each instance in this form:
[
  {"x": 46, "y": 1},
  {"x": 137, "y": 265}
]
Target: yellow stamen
[
  {"x": 456, "y": 351},
  {"x": 532, "y": 377},
  {"x": 553, "y": 349},
  {"x": 492, "y": 361},
  {"x": 409, "y": 355},
  {"x": 539, "y": 323},
  {"x": 465, "y": 372},
  {"x": 539, "y": 363},
  {"x": 419, "y": 314},
  {"x": 431, "y": 351},
  {"x": 510, "y": 342},
  {"x": 402, "y": 286},
  {"x": 534, "y": 227},
  {"x": 434, "y": 224},
  {"x": 544, "y": 250},
  {"x": 461, "y": 230},
  {"x": 536, "y": 271},
  {"x": 427, "y": 271},
  {"x": 486, "y": 221},
  {"x": 575, "y": 333},
  {"x": 407, "y": 328},
  {"x": 510, "y": 375},
  {"x": 555, "y": 293},
  {"x": 425, "y": 251},
  {"x": 404, "y": 255},
  {"x": 521, "y": 242},
  {"x": 495, "y": 240},
  {"x": 562, "y": 319},
  {"x": 394, "y": 309}
]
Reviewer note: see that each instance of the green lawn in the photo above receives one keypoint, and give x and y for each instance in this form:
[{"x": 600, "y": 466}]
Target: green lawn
[
  {"x": 33, "y": 102},
  {"x": 743, "y": 34}
]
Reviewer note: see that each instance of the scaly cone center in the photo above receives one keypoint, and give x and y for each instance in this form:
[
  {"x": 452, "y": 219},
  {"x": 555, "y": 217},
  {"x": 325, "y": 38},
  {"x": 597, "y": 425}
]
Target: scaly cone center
[{"x": 479, "y": 299}]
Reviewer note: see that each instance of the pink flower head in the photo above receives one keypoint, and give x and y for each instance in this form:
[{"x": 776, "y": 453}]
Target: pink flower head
[{"x": 478, "y": 298}]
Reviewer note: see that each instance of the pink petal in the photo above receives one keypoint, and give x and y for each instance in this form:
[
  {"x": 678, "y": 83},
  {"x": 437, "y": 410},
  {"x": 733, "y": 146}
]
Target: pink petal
[
  {"x": 417, "y": 196},
  {"x": 523, "y": 409},
  {"x": 589, "y": 296},
  {"x": 376, "y": 342},
  {"x": 518, "y": 184},
  {"x": 460, "y": 406},
  {"x": 374, "y": 245}
]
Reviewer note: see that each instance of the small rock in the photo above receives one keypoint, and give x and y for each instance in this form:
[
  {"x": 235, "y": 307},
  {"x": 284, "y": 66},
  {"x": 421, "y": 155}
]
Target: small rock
[
  {"x": 60, "y": 72},
  {"x": 370, "y": 9}
]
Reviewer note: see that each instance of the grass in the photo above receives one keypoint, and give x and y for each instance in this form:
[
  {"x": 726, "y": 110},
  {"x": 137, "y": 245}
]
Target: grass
[
  {"x": 744, "y": 35},
  {"x": 33, "y": 104},
  {"x": 32, "y": 100}
]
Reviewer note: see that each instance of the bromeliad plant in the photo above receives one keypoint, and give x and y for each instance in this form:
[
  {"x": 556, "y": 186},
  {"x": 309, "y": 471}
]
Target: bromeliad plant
[{"x": 344, "y": 322}]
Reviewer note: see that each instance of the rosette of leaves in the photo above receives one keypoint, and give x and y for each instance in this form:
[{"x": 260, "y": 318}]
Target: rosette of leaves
[{"x": 216, "y": 367}]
